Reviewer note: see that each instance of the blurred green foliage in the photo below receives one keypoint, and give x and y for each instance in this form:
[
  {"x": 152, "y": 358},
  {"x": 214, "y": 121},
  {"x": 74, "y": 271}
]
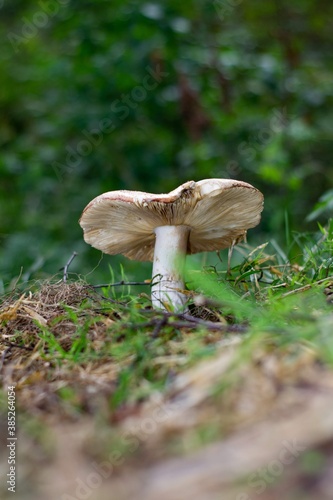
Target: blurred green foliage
[{"x": 103, "y": 95}]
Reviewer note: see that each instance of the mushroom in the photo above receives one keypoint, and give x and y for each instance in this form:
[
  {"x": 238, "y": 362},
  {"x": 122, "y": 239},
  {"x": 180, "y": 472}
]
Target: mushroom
[{"x": 211, "y": 214}]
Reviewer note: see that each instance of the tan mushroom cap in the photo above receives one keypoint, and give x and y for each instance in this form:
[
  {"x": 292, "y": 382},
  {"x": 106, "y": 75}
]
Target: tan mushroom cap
[{"x": 217, "y": 211}]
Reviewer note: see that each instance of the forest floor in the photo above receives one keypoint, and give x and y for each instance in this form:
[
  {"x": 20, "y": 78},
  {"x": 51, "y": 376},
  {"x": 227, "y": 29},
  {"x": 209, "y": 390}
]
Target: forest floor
[{"x": 232, "y": 400}]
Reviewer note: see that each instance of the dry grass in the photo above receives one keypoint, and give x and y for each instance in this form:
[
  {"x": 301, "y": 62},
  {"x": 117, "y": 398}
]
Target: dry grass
[{"x": 39, "y": 371}]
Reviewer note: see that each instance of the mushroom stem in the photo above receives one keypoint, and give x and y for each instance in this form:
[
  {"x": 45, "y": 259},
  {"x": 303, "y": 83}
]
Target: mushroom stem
[{"x": 169, "y": 260}]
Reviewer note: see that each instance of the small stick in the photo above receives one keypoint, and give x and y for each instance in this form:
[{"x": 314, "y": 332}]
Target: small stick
[
  {"x": 158, "y": 326},
  {"x": 122, "y": 283},
  {"x": 210, "y": 325},
  {"x": 305, "y": 287},
  {"x": 297, "y": 290},
  {"x": 67, "y": 266},
  {"x": 12, "y": 344}
]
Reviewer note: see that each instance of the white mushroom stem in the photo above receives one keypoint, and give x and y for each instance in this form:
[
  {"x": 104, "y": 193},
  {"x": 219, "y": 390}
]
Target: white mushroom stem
[{"x": 169, "y": 260}]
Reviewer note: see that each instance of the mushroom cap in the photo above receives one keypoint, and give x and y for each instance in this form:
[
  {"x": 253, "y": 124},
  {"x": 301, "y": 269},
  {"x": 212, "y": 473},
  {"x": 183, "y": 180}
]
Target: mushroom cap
[{"x": 217, "y": 211}]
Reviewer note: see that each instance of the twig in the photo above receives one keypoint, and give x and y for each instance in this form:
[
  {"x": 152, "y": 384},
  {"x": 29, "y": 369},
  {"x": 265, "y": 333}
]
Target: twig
[
  {"x": 12, "y": 344},
  {"x": 210, "y": 325},
  {"x": 158, "y": 327},
  {"x": 122, "y": 283},
  {"x": 74, "y": 254},
  {"x": 305, "y": 287},
  {"x": 215, "y": 324},
  {"x": 187, "y": 321},
  {"x": 297, "y": 290}
]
